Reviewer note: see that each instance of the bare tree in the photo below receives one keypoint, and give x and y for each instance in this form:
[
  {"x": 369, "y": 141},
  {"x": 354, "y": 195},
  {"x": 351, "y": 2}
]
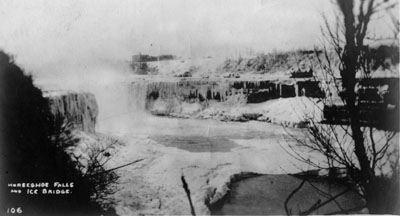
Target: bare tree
[{"x": 369, "y": 155}]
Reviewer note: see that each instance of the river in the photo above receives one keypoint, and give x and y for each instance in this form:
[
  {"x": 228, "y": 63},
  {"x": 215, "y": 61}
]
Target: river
[{"x": 208, "y": 153}]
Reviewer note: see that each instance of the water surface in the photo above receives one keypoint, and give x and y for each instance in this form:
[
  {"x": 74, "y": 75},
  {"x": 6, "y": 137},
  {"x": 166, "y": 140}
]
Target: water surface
[
  {"x": 196, "y": 143},
  {"x": 266, "y": 195}
]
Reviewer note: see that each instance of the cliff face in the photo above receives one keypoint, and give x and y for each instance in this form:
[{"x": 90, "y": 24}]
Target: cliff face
[
  {"x": 192, "y": 95},
  {"x": 79, "y": 108},
  {"x": 205, "y": 90},
  {"x": 255, "y": 91}
]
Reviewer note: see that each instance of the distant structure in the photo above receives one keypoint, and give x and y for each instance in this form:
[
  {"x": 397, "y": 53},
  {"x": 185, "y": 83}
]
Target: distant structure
[
  {"x": 302, "y": 72},
  {"x": 378, "y": 100},
  {"x": 148, "y": 58},
  {"x": 139, "y": 64},
  {"x": 137, "y": 58}
]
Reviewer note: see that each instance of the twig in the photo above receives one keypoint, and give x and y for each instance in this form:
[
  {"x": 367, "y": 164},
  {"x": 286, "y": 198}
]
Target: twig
[
  {"x": 288, "y": 211},
  {"x": 315, "y": 207},
  {"x": 105, "y": 171},
  {"x": 186, "y": 188},
  {"x": 346, "y": 211}
]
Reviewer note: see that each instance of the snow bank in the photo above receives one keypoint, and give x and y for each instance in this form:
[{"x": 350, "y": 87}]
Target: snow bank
[
  {"x": 153, "y": 186},
  {"x": 292, "y": 112}
]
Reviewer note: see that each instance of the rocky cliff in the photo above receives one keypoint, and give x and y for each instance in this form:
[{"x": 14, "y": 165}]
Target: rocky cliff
[
  {"x": 79, "y": 108},
  {"x": 228, "y": 99},
  {"x": 189, "y": 96}
]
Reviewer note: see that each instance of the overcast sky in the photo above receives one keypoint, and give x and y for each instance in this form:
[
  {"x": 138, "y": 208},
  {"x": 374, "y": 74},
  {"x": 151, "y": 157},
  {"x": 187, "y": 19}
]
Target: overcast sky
[{"x": 42, "y": 33}]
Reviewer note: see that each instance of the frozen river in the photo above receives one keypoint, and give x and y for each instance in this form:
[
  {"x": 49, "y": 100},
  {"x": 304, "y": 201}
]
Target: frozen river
[{"x": 208, "y": 153}]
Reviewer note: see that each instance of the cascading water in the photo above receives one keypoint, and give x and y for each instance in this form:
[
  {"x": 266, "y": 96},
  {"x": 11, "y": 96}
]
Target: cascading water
[
  {"x": 121, "y": 106},
  {"x": 137, "y": 96},
  {"x": 172, "y": 97},
  {"x": 132, "y": 103}
]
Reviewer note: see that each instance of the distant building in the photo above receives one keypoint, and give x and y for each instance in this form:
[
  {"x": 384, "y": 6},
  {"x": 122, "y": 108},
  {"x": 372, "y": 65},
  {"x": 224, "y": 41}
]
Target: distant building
[{"x": 303, "y": 71}]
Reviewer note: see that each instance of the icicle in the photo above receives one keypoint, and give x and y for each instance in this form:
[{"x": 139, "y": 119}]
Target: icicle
[{"x": 138, "y": 96}]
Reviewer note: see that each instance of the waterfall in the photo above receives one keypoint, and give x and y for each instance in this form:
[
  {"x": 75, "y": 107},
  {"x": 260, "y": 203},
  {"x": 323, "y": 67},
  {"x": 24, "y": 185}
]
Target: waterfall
[
  {"x": 171, "y": 96},
  {"x": 137, "y": 96},
  {"x": 122, "y": 106},
  {"x": 189, "y": 90},
  {"x": 79, "y": 108}
]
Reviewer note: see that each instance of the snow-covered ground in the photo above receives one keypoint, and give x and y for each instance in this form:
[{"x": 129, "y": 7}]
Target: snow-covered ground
[
  {"x": 292, "y": 112},
  {"x": 153, "y": 186}
]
